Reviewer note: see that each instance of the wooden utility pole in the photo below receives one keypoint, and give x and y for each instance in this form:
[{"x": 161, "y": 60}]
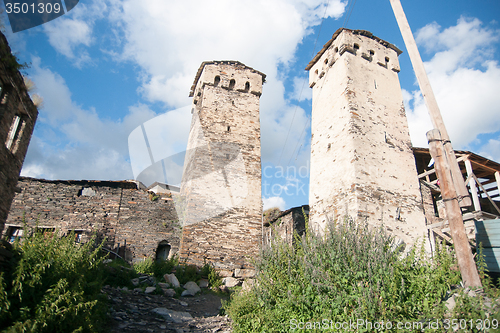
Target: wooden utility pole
[
  {"x": 430, "y": 101},
  {"x": 466, "y": 262},
  {"x": 453, "y": 190}
]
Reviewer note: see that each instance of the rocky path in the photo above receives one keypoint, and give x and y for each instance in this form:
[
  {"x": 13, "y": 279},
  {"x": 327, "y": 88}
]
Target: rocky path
[{"x": 135, "y": 311}]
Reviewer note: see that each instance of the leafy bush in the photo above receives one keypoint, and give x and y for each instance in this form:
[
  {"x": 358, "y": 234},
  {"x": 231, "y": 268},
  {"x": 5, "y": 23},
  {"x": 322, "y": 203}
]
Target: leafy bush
[
  {"x": 54, "y": 286},
  {"x": 155, "y": 267},
  {"x": 119, "y": 273},
  {"x": 186, "y": 273},
  {"x": 351, "y": 273}
]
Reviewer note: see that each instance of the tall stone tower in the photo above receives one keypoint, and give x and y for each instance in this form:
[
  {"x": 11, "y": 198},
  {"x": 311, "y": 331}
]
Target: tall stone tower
[
  {"x": 221, "y": 182},
  {"x": 362, "y": 164}
]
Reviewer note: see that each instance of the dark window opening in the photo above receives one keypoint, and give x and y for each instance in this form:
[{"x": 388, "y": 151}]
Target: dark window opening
[
  {"x": 247, "y": 86},
  {"x": 77, "y": 235},
  {"x": 336, "y": 50},
  {"x": 232, "y": 83},
  {"x": 228, "y": 128},
  {"x": 386, "y": 59},
  {"x": 356, "y": 46},
  {"x": 14, "y": 233},
  {"x": 326, "y": 61},
  {"x": 216, "y": 80},
  {"x": 372, "y": 52},
  {"x": 163, "y": 251}
]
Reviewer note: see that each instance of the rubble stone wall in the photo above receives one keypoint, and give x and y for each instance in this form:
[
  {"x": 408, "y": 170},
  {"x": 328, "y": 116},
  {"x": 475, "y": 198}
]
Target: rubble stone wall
[
  {"x": 133, "y": 221},
  {"x": 221, "y": 185}
]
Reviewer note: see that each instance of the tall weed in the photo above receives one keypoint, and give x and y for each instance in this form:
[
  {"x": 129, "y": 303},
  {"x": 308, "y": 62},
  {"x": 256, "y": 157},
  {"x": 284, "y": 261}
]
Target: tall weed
[
  {"x": 54, "y": 286},
  {"x": 351, "y": 273}
]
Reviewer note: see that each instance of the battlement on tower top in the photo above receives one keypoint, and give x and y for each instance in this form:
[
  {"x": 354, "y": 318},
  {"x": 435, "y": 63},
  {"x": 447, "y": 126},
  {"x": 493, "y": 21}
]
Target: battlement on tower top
[
  {"x": 360, "y": 43},
  {"x": 228, "y": 74}
]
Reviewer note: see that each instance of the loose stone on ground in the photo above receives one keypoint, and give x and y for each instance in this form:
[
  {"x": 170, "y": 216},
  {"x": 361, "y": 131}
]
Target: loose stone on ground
[{"x": 136, "y": 311}]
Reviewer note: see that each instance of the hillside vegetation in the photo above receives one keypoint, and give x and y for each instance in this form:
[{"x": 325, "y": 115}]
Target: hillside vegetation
[{"x": 354, "y": 279}]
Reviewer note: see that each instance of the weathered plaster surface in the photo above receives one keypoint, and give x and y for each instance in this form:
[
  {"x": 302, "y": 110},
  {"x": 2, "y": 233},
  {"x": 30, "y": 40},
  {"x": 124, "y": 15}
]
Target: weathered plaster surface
[{"x": 362, "y": 164}]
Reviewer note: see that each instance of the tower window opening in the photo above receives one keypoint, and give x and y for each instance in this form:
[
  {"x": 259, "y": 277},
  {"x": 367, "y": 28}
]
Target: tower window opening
[
  {"x": 326, "y": 61},
  {"x": 15, "y": 133},
  {"x": 371, "y": 52},
  {"x": 386, "y": 59},
  {"x": 356, "y": 46},
  {"x": 228, "y": 128},
  {"x": 247, "y": 86},
  {"x": 336, "y": 50},
  {"x": 216, "y": 80},
  {"x": 232, "y": 84}
]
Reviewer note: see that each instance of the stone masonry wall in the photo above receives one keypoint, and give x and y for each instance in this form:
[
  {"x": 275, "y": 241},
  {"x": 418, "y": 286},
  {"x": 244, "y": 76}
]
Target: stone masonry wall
[
  {"x": 362, "y": 164},
  {"x": 17, "y": 120},
  {"x": 132, "y": 222},
  {"x": 285, "y": 225},
  {"x": 221, "y": 185}
]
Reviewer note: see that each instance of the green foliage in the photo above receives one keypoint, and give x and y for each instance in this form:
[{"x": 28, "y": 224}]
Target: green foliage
[
  {"x": 119, "y": 273},
  {"x": 54, "y": 286},
  {"x": 187, "y": 273},
  {"x": 156, "y": 267},
  {"x": 214, "y": 279},
  {"x": 351, "y": 273}
]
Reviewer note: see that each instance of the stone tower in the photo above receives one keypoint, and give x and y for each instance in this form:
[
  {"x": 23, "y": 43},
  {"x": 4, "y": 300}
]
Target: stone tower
[
  {"x": 221, "y": 182},
  {"x": 17, "y": 120},
  {"x": 362, "y": 163}
]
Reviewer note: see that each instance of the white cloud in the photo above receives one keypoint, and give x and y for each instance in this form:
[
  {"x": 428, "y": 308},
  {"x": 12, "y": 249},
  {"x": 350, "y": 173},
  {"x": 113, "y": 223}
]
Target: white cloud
[
  {"x": 465, "y": 81},
  {"x": 491, "y": 149},
  {"x": 272, "y": 202},
  {"x": 71, "y": 33},
  {"x": 94, "y": 148},
  {"x": 170, "y": 40},
  {"x": 301, "y": 90}
]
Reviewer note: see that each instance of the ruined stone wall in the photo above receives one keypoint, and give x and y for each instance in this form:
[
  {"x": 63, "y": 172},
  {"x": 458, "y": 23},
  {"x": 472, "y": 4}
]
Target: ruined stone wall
[
  {"x": 17, "y": 120},
  {"x": 132, "y": 222},
  {"x": 221, "y": 185},
  {"x": 362, "y": 164},
  {"x": 286, "y": 225}
]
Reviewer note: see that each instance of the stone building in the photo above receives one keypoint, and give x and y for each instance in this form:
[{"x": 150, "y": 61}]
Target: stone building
[
  {"x": 17, "y": 120},
  {"x": 221, "y": 184},
  {"x": 136, "y": 223},
  {"x": 285, "y": 225},
  {"x": 362, "y": 163}
]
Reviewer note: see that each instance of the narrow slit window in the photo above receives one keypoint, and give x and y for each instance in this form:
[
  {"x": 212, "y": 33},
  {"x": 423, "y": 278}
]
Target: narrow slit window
[
  {"x": 356, "y": 46},
  {"x": 228, "y": 128},
  {"x": 247, "y": 86},
  {"x": 216, "y": 80},
  {"x": 232, "y": 83},
  {"x": 13, "y": 132}
]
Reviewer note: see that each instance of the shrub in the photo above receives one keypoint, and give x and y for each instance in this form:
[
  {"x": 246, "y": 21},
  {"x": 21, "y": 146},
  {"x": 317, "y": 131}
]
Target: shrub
[
  {"x": 351, "y": 273},
  {"x": 54, "y": 286},
  {"x": 155, "y": 267}
]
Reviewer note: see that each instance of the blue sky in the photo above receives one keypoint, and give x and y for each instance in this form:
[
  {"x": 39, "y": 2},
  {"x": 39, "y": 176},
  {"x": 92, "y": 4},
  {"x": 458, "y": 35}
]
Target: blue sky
[{"x": 109, "y": 66}]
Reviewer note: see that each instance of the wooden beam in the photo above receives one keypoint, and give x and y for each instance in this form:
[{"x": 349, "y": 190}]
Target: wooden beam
[
  {"x": 430, "y": 101},
  {"x": 472, "y": 186},
  {"x": 466, "y": 262},
  {"x": 484, "y": 166},
  {"x": 491, "y": 200},
  {"x": 497, "y": 178}
]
